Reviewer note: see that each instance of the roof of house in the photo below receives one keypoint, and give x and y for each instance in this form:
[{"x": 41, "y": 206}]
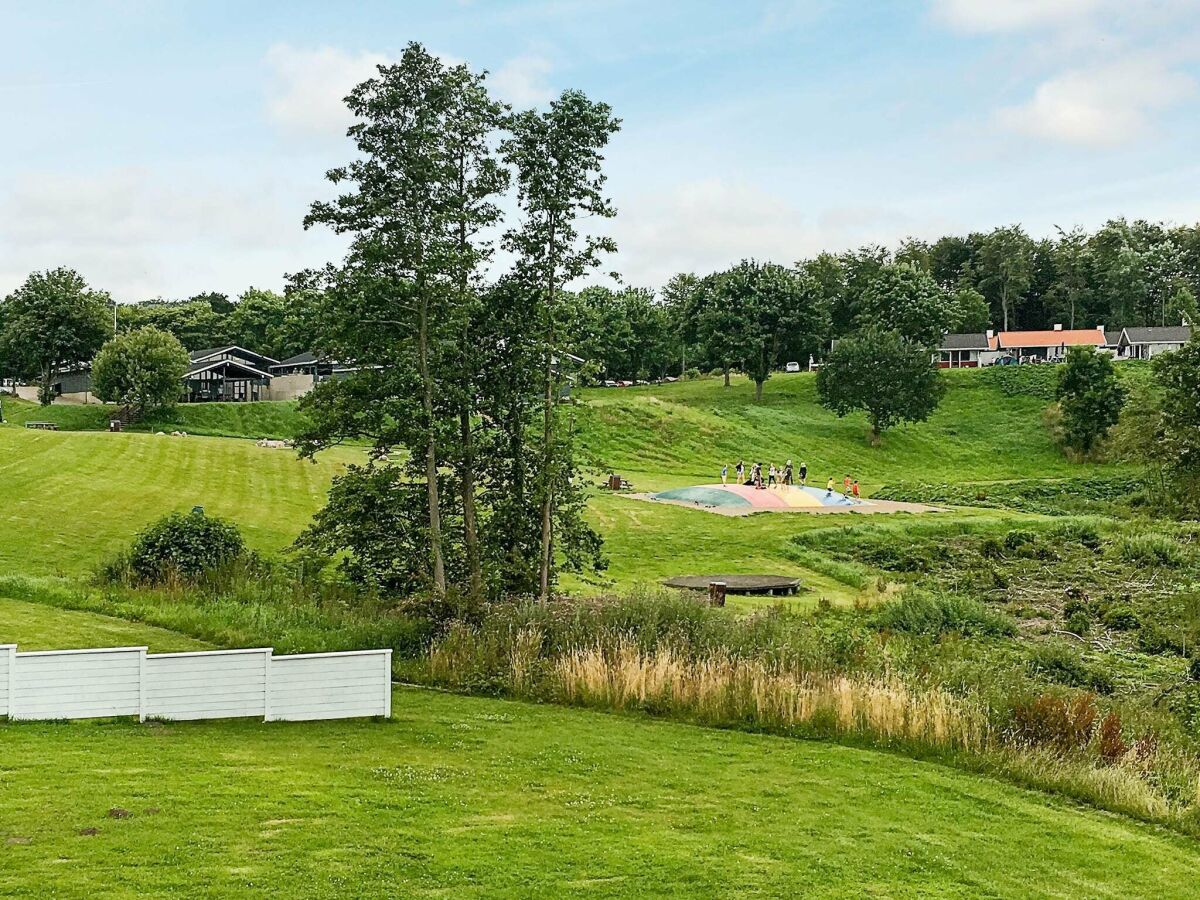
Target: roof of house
[
  {"x": 1170, "y": 334},
  {"x": 300, "y": 359},
  {"x": 964, "y": 342},
  {"x": 204, "y": 365},
  {"x": 197, "y": 355},
  {"x": 1013, "y": 340},
  {"x": 1112, "y": 338}
]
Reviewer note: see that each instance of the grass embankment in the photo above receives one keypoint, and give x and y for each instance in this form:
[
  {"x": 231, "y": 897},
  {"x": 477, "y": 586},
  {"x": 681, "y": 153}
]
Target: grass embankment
[
  {"x": 271, "y": 419},
  {"x": 988, "y": 428},
  {"x": 482, "y": 797},
  {"x": 68, "y": 501}
]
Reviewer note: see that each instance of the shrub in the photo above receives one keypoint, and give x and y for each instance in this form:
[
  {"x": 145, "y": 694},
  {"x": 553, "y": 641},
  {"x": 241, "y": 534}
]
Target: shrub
[
  {"x": 1057, "y": 722},
  {"x": 935, "y": 614},
  {"x": 180, "y": 547},
  {"x": 1079, "y": 622},
  {"x": 691, "y": 374},
  {"x": 1111, "y": 745},
  {"x": 1018, "y": 538},
  {"x": 1151, "y": 548},
  {"x": 1120, "y": 617},
  {"x": 1059, "y": 663}
]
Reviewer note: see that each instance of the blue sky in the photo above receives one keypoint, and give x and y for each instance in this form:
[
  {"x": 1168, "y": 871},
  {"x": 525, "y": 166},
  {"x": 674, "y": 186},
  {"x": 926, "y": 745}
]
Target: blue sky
[{"x": 166, "y": 148}]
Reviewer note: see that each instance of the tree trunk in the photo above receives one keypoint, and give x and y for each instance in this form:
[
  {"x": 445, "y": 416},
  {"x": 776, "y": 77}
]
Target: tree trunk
[
  {"x": 758, "y": 388},
  {"x": 470, "y": 526},
  {"x": 876, "y": 435},
  {"x": 431, "y": 466},
  {"x": 1004, "y": 306},
  {"x": 547, "y": 471},
  {"x": 44, "y": 396},
  {"x": 726, "y": 369}
]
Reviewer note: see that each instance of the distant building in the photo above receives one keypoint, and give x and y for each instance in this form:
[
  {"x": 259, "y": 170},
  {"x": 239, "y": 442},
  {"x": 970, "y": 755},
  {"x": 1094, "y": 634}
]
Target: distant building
[
  {"x": 1149, "y": 342},
  {"x": 228, "y": 374},
  {"x": 963, "y": 351}
]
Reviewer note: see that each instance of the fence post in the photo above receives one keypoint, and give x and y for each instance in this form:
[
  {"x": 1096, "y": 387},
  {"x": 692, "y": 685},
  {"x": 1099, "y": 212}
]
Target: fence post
[
  {"x": 12, "y": 679},
  {"x": 142, "y": 684},
  {"x": 267, "y": 684},
  {"x": 387, "y": 686}
]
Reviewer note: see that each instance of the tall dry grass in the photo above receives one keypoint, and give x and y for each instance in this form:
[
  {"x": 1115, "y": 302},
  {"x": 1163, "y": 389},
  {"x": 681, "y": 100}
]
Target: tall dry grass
[{"x": 722, "y": 690}]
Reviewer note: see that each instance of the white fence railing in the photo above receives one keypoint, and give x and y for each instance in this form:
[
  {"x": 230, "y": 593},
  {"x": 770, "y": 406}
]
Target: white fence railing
[{"x": 218, "y": 684}]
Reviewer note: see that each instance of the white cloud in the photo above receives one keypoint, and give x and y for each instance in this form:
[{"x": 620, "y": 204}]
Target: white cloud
[
  {"x": 1100, "y": 106},
  {"x": 307, "y": 89},
  {"x": 1011, "y": 15},
  {"x": 522, "y": 81},
  {"x": 704, "y": 226},
  {"x": 141, "y": 234}
]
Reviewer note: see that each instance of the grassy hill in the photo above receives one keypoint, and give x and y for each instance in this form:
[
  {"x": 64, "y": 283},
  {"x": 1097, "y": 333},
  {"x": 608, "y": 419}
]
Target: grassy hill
[
  {"x": 475, "y": 796},
  {"x": 69, "y": 500},
  {"x": 242, "y": 420},
  {"x": 988, "y": 428}
]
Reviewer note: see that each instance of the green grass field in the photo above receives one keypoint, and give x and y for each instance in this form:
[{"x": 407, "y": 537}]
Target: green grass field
[
  {"x": 247, "y": 420},
  {"x": 681, "y": 433},
  {"x": 68, "y": 501},
  {"x": 472, "y": 796},
  {"x": 477, "y": 797}
]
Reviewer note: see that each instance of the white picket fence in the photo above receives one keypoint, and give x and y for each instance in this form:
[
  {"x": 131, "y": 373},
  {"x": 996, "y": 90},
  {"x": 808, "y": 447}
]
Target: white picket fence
[{"x": 218, "y": 684}]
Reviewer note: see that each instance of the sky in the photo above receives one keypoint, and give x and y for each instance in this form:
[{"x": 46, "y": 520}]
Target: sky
[{"x": 167, "y": 147}]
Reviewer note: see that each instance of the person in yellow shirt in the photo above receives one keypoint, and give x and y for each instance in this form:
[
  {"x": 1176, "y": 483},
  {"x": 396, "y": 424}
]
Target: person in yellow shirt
[{"x": 829, "y": 487}]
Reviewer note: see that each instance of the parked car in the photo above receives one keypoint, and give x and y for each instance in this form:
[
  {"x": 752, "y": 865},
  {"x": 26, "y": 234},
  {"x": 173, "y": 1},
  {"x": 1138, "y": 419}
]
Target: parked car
[{"x": 792, "y": 367}]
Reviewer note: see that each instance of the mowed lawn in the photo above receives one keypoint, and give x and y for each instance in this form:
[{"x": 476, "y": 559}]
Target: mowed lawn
[
  {"x": 70, "y": 500},
  {"x": 478, "y": 797},
  {"x": 679, "y": 434},
  {"x": 34, "y": 626}
]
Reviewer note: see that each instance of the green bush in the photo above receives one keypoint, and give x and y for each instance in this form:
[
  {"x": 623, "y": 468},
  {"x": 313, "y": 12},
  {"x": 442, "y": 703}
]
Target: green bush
[
  {"x": 1120, "y": 617},
  {"x": 1018, "y": 538},
  {"x": 918, "y": 612},
  {"x": 180, "y": 547},
  {"x": 1062, "y": 664},
  {"x": 1151, "y": 548}
]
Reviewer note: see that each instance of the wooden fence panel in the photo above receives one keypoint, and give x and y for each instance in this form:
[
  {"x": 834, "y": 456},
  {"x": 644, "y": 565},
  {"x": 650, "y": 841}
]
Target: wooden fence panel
[
  {"x": 218, "y": 684},
  {"x": 330, "y": 686},
  {"x": 77, "y": 684}
]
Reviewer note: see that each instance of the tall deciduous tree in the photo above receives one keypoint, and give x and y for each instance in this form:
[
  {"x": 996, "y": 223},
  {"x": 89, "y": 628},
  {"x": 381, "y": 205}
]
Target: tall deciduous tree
[
  {"x": 419, "y": 193},
  {"x": 557, "y": 156},
  {"x": 906, "y": 299},
  {"x": 889, "y": 378},
  {"x": 1004, "y": 268},
  {"x": 775, "y": 312},
  {"x": 53, "y": 320},
  {"x": 1090, "y": 397},
  {"x": 142, "y": 369}
]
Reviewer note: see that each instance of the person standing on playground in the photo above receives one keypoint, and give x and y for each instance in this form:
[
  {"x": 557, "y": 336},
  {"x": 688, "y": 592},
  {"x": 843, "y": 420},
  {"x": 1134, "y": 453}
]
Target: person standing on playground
[
  {"x": 787, "y": 474},
  {"x": 829, "y": 487},
  {"x": 803, "y": 473},
  {"x": 846, "y": 485},
  {"x": 725, "y": 473},
  {"x": 771, "y": 476},
  {"x": 741, "y": 472},
  {"x": 854, "y": 488}
]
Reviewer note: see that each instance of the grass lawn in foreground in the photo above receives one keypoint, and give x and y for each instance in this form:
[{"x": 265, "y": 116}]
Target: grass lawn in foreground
[
  {"x": 70, "y": 500},
  {"x": 466, "y": 796}
]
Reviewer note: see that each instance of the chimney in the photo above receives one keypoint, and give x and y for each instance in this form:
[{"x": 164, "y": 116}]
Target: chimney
[
  {"x": 990, "y": 333},
  {"x": 1100, "y": 328},
  {"x": 1058, "y": 327}
]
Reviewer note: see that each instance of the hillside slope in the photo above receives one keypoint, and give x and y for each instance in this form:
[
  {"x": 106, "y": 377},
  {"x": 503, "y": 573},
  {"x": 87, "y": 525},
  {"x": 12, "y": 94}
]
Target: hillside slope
[
  {"x": 988, "y": 428},
  {"x": 245, "y": 420},
  {"x": 69, "y": 500}
]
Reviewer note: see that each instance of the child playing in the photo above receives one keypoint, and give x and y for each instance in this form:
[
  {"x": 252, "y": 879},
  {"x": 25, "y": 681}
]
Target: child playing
[
  {"x": 829, "y": 487},
  {"x": 854, "y": 488},
  {"x": 725, "y": 474},
  {"x": 803, "y": 473},
  {"x": 771, "y": 476}
]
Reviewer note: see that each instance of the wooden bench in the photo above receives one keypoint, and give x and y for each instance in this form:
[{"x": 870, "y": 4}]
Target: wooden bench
[{"x": 44, "y": 426}]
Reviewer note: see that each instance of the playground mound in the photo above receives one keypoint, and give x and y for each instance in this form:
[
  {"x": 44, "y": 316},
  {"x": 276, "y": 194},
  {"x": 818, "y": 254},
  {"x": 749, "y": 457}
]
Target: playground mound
[{"x": 744, "y": 500}]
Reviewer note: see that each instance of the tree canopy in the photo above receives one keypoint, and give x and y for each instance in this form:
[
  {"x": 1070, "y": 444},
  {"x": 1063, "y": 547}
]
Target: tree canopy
[{"x": 141, "y": 369}]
